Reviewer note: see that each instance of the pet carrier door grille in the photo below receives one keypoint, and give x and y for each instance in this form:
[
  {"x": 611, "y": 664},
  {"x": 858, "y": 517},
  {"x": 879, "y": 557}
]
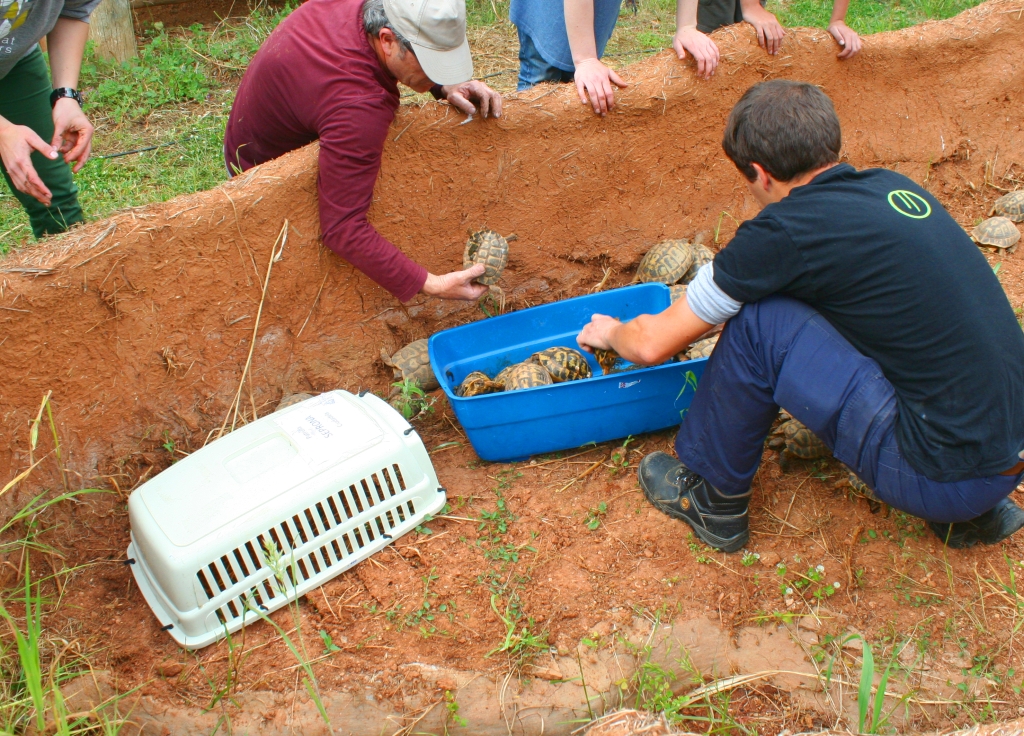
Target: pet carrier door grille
[{"x": 315, "y": 517}]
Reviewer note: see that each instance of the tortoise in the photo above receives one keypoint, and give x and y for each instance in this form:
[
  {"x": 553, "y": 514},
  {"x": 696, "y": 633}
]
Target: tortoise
[
  {"x": 292, "y": 400},
  {"x": 702, "y": 255},
  {"x": 999, "y": 232},
  {"x": 667, "y": 262},
  {"x": 503, "y": 375},
  {"x": 527, "y": 375},
  {"x": 795, "y": 441},
  {"x": 564, "y": 364},
  {"x": 702, "y": 348},
  {"x": 476, "y": 384},
  {"x": 676, "y": 291},
  {"x": 607, "y": 359},
  {"x": 490, "y": 249},
  {"x": 859, "y": 489},
  {"x": 412, "y": 362},
  {"x": 1010, "y": 206}
]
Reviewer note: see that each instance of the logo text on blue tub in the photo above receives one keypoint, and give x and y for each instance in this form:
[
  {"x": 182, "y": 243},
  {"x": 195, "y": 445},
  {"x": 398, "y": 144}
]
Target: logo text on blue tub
[{"x": 624, "y": 384}]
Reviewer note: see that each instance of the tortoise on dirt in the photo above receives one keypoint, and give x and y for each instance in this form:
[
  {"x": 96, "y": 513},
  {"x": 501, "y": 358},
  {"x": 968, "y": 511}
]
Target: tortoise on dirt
[
  {"x": 412, "y": 362},
  {"x": 702, "y": 348},
  {"x": 527, "y": 375},
  {"x": 490, "y": 249},
  {"x": 476, "y": 384},
  {"x": 676, "y": 291},
  {"x": 564, "y": 364},
  {"x": 702, "y": 255},
  {"x": 795, "y": 441},
  {"x": 1010, "y": 206},
  {"x": 856, "y": 488},
  {"x": 667, "y": 262},
  {"x": 607, "y": 359},
  {"x": 292, "y": 400},
  {"x": 999, "y": 232}
]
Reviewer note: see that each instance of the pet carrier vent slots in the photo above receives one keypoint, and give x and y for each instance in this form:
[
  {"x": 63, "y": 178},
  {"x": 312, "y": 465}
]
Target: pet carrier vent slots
[{"x": 326, "y": 482}]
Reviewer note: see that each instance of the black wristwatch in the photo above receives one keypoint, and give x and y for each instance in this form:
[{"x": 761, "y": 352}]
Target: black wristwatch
[
  {"x": 438, "y": 92},
  {"x": 61, "y": 92}
]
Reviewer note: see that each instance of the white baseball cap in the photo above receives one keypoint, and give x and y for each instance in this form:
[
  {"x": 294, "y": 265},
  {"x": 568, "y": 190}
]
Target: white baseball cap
[{"x": 437, "y": 31}]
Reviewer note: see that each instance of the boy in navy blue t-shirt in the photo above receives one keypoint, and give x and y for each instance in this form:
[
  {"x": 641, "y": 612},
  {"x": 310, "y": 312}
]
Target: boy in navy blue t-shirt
[{"x": 855, "y": 302}]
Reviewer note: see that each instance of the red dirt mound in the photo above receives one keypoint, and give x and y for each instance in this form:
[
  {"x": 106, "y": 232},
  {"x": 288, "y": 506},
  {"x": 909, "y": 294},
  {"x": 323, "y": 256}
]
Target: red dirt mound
[{"x": 140, "y": 326}]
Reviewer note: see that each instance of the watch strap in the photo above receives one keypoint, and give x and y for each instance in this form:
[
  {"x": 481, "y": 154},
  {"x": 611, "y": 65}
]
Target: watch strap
[
  {"x": 438, "y": 92},
  {"x": 62, "y": 92}
]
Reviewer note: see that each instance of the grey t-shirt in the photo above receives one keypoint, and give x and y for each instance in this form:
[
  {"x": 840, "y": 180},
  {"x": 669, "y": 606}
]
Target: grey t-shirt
[{"x": 24, "y": 22}]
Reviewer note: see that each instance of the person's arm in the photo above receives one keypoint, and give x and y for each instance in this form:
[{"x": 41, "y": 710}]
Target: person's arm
[
  {"x": 688, "y": 38},
  {"x": 73, "y": 132},
  {"x": 649, "y": 339},
  {"x": 351, "y": 144},
  {"x": 845, "y": 36},
  {"x": 769, "y": 30},
  {"x": 592, "y": 77}
]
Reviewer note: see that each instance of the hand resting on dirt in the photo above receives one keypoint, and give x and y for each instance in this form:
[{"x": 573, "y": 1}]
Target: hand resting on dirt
[
  {"x": 769, "y": 30},
  {"x": 650, "y": 339},
  {"x": 595, "y": 80},
  {"x": 703, "y": 49},
  {"x": 456, "y": 285},
  {"x": 846, "y": 37},
  {"x": 16, "y": 145},
  {"x": 461, "y": 96}
]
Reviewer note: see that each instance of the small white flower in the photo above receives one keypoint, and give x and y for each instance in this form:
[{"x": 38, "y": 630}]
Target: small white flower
[
  {"x": 820, "y": 568},
  {"x": 757, "y": 555},
  {"x": 835, "y": 585},
  {"x": 779, "y": 565},
  {"x": 789, "y": 591}
]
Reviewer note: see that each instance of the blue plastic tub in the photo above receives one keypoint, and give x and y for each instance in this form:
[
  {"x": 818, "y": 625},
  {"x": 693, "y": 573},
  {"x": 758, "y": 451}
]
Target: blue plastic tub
[{"x": 513, "y": 425}]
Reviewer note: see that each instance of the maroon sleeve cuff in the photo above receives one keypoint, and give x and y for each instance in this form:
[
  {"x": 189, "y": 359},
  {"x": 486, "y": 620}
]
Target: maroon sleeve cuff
[{"x": 416, "y": 282}]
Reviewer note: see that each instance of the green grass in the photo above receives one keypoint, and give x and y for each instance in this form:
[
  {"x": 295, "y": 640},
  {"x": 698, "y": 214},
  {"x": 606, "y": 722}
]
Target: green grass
[
  {"x": 868, "y": 16},
  {"x": 177, "y": 95}
]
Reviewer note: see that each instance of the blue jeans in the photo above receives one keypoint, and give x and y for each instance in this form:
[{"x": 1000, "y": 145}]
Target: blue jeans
[
  {"x": 780, "y": 352},
  {"x": 534, "y": 69}
]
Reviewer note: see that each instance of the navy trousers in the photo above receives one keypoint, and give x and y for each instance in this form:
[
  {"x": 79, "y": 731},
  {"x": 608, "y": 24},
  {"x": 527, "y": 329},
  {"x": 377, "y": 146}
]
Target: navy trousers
[{"x": 780, "y": 352}]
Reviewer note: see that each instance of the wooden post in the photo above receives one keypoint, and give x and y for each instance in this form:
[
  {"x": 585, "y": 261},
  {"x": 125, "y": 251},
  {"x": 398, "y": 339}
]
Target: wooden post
[{"x": 112, "y": 30}]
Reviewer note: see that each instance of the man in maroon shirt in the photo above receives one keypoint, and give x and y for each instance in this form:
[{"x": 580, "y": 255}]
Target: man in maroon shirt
[{"x": 330, "y": 71}]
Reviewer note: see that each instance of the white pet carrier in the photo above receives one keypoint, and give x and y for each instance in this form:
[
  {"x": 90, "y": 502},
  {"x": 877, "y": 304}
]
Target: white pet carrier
[{"x": 328, "y": 481}]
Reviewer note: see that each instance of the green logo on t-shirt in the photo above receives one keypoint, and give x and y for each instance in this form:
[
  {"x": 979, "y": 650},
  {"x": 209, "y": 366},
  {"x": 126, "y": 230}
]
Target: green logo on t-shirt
[{"x": 909, "y": 204}]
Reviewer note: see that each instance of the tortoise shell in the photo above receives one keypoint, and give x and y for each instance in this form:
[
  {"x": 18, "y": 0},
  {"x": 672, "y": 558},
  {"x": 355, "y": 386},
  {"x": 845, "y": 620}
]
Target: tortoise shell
[
  {"x": 799, "y": 441},
  {"x": 667, "y": 262},
  {"x": 490, "y": 249},
  {"x": 702, "y": 348},
  {"x": 503, "y": 375},
  {"x": 1010, "y": 206},
  {"x": 607, "y": 359},
  {"x": 999, "y": 232},
  {"x": 527, "y": 375},
  {"x": 412, "y": 362},
  {"x": 702, "y": 255},
  {"x": 476, "y": 384},
  {"x": 676, "y": 291},
  {"x": 292, "y": 400},
  {"x": 794, "y": 441},
  {"x": 564, "y": 364}
]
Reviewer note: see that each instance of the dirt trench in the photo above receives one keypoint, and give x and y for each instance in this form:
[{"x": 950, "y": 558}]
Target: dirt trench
[{"x": 140, "y": 326}]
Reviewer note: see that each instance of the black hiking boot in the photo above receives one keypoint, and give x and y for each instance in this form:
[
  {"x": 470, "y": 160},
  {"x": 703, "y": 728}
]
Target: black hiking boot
[
  {"x": 992, "y": 527},
  {"x": 718, "y": 520}
]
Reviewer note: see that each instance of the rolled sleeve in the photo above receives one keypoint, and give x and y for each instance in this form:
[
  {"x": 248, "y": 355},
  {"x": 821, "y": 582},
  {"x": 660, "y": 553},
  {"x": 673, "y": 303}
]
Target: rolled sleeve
[
  {"x": 79, "y": 9},
  {"x": 351, "y": 143}
]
